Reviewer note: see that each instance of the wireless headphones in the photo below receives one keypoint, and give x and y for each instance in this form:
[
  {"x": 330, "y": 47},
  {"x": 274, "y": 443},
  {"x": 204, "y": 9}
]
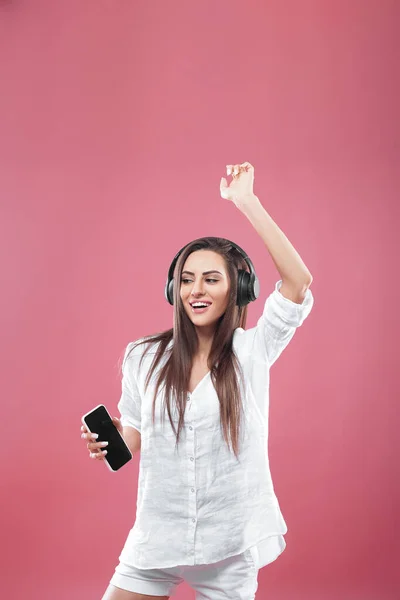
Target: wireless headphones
[{"x": 248, "y": 286}]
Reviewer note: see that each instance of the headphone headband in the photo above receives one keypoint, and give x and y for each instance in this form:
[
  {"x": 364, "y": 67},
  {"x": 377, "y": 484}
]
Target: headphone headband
[{"x": 248, "y": 286}]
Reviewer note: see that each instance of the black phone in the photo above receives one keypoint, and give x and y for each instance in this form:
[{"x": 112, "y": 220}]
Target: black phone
[{"x": 99, "y": 421}]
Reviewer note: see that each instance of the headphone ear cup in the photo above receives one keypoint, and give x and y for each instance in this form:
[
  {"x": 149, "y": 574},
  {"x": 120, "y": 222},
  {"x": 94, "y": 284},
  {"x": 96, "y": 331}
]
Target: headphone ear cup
[
  {"x": 255, "y": 287},
  {"x": 243, "y": 287},
  {"x": 248, "y": 288},
  {"x": 170, "y": 292}
]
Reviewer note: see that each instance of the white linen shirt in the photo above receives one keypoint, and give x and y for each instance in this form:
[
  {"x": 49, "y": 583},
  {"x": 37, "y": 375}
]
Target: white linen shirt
[{"x": 199, "y": 504}]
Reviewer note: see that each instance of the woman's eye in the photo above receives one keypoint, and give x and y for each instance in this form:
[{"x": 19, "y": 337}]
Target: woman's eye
[{"x": 208, "y": 280}]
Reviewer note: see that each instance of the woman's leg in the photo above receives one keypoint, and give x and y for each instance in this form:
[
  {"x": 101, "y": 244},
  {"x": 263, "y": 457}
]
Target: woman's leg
[{"x": 114, "y": 593}]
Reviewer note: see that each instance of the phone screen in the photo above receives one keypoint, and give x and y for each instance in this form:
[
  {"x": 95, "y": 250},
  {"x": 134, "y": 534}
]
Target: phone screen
[{"x": 99, "y": 421}]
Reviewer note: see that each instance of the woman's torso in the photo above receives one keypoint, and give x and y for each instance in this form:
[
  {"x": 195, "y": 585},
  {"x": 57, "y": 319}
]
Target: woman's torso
[{"x": 198, "y": 372}]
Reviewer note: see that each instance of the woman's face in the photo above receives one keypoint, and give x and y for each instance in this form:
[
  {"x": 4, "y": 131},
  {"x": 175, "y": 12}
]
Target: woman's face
[{"x": 205, "y": 279}]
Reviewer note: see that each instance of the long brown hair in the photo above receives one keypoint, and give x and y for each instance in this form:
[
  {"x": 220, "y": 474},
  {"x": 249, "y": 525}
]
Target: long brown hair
[{"x": 222, "y": 361}]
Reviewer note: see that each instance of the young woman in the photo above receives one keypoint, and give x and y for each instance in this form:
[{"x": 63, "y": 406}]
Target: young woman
[{"x": 207, "y": 513}]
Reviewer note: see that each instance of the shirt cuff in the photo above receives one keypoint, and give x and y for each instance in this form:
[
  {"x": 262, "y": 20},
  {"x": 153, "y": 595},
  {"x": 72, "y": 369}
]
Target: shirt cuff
[
  {"x": 129, "y": 422},
  {"x": 292, "y": 313}
]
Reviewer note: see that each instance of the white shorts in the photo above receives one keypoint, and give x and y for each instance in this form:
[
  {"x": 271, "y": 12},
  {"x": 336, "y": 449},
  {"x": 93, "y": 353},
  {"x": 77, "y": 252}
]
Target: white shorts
[{"x": 234, "y": 578}]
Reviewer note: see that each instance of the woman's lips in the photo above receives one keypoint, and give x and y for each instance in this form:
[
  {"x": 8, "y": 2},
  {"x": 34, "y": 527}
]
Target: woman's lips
[{"x": 199, "y": 311}]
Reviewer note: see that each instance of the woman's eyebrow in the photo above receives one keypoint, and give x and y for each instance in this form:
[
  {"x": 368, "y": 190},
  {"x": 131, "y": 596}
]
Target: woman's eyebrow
[{"x": 204, "y": 272}]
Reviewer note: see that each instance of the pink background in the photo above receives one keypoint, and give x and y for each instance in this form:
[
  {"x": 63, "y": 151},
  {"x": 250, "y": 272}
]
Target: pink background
[{"x": 117, "y": 119}]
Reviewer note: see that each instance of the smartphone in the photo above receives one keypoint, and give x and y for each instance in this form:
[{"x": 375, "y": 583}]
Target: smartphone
[{"x": 99, "y": 421}]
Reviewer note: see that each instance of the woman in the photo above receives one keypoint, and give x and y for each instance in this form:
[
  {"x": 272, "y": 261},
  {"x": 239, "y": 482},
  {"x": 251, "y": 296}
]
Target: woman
[{"x": 207, "y": 513}]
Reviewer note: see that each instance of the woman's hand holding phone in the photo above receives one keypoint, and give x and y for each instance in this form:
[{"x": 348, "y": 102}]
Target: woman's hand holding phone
[{"x": 98, "y": 450}]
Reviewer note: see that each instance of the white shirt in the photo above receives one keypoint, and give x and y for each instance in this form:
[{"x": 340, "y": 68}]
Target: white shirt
[{"x": 199, "y": 504}]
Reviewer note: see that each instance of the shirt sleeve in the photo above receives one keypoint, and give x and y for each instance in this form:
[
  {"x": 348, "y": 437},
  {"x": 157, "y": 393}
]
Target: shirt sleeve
[
  {"x": 279, "y": 321},
  {"x": 129, "y": 405}
]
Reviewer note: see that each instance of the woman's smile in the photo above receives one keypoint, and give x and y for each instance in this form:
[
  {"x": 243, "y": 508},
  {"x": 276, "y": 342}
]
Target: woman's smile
[{"x": 199, "y": 306}]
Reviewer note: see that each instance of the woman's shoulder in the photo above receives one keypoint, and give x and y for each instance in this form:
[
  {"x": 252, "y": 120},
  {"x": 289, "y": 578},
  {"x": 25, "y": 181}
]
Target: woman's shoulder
[
  {"x": 141, "y": 346},
  {"x": 242, "y": 341},
  {"x": 147, "y": 345}
]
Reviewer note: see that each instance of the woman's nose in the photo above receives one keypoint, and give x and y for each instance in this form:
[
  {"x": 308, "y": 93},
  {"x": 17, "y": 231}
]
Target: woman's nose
[{"x": 197, "y": 288}]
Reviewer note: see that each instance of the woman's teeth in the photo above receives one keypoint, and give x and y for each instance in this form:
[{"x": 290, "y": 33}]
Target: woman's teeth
[{"x": 199, "y": 307}]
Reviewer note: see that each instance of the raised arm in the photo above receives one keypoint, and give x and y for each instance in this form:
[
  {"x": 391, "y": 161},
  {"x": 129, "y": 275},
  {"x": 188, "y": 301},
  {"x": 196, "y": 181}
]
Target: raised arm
[{"x": 296, "y": 278}]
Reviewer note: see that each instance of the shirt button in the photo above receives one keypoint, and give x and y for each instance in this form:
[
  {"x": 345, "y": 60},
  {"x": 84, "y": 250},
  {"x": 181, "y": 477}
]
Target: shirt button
[
  {"x": 190, "y": 427},
  {"x": 194, "y": 520},
  {"x": 191, "y": 458},
  {"x": 192, "y": 489}
]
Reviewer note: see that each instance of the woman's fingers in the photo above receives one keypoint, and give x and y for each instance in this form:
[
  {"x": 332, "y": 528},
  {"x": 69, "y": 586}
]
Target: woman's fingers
[
  {"x": 99, "y": 455},
  {"x": 87, "y": 435},
  {"x": 97, "y": 450},
  {"x": 94, "y": 446},
  {"x": 235, "y": 170}
]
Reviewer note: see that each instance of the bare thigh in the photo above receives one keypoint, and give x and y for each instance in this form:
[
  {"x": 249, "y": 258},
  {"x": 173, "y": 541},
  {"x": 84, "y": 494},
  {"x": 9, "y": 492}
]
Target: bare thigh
[{"x": 114, "y": 593}]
